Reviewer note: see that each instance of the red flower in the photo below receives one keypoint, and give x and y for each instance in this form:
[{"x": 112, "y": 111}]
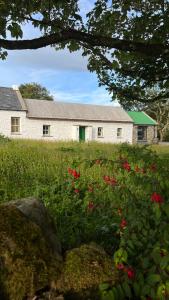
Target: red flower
[
  {"x": 75, "y": 174},
  {"x": 111, "y": 181},
  {"x": 70, "y": 170},
  {"x": 120, "y": 266},
  {"x": 76, "y": 191},
  {"x": 157, "y": 198},
  {"x": 153, "y": 168},
  {"x": 106, "y": 178},
  {"x": 137, "y": 169},
  {"x": 97, "y": 161},
  {"x": 130, "y": 273},
  {"x": 127, "y": 166},
  {"x": 90, "y": 205},
  {"x": 123, "y": 224}
]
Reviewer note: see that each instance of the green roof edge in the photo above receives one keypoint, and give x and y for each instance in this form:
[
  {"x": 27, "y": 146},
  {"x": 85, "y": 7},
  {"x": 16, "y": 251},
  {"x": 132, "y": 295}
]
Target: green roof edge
[{"x": 141, "y": 118}]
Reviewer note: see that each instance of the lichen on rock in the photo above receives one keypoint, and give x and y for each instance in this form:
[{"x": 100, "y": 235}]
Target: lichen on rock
[{"x": 27, "y": 263}]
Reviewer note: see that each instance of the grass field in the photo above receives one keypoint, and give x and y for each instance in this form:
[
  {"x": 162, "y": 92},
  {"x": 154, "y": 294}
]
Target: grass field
[{"x": 26, "y": 165}]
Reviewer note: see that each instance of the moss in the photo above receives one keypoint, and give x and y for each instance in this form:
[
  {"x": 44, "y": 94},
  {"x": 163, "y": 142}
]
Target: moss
[
  {"x": 27, "y": 264},
  {"x": 84, "y": 269}
]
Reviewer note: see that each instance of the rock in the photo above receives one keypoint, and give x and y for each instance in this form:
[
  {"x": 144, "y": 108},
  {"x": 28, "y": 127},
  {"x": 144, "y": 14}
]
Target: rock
[
  {"x": 84, "y": 269},
  {"x": 29, "y": 261},
  {"x": 36, "y": 211}
]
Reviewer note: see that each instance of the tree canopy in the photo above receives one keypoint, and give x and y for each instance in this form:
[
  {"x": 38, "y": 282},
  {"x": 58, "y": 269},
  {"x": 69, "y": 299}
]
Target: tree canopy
[
  {"x": 34, "y": 91},
  {"x": 127, "y": 42}
]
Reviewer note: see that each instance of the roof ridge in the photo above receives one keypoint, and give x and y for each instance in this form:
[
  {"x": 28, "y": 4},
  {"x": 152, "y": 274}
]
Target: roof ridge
[{"x": 75, "y": 103}]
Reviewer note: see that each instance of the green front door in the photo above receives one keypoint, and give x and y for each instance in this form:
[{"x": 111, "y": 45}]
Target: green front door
[{"x": 81, "y": 133}]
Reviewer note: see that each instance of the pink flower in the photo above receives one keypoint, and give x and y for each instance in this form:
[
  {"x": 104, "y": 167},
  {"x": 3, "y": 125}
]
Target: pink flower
[
  {"x": 76, "y": 191},
  {"x": 157, "y": 198},
  {"x": 120, "y": 266},
  {"x": 90, "y": 205}
]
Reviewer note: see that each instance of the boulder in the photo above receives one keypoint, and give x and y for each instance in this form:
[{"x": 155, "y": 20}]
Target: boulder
[
  {"x": 36, "y": 211},
  {"x": 29, "y": 258},
  {"x": 85, "y": 268}
]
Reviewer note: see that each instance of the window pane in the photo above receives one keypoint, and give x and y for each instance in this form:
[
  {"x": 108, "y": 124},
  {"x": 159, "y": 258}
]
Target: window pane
[
  {"x": 100, "y": 131},
  {"x": 46, "y": 130},
  {"x": 15, "y": 125},
  {"x": 142, "y": 133},
  {"x": 119, "y": 132}
]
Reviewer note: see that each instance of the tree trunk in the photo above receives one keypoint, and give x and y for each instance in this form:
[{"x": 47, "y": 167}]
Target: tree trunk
[{"x": 161, "y": 135}]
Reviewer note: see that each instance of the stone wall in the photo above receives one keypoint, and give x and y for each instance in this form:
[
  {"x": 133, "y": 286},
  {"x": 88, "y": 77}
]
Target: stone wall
[{"x": 151, "y": 135}]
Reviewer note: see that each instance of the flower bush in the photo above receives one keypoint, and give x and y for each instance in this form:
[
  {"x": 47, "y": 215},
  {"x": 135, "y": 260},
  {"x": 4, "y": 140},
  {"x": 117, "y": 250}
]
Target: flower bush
[{"x": 122, "y": 204}]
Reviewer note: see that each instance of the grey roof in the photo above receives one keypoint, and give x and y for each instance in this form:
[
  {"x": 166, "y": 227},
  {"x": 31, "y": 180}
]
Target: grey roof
[
  {"x": 9, "y": 99},
  {"x": 43, "y": 109}
]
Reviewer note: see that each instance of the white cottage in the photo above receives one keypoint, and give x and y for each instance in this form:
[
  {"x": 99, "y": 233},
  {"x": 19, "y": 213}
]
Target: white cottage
[{"x": 52, "y": 120}]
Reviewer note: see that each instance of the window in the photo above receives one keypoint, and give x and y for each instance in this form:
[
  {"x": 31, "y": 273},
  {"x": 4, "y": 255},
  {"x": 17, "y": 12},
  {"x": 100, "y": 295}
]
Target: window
[
  {"x": 142, "y": 133},
  {"x": 119, "y": 132},
  {"x": 46, "y": 130},
  {"x": 15, "y": 125},
  {"x": 100, "y": 132}
]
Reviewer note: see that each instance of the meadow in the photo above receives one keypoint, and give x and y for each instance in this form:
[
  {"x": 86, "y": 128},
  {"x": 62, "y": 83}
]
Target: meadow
[{"x": 114, "y": 195}]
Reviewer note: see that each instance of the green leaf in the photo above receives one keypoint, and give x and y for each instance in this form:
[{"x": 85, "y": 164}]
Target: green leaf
[
  {"x": 136, "y": 289},
  {"x": 164, "y": 262},
  {"x": 161, "y": 292},
  {"x": 120, "y": 256},
  {"x": 153, "y": 279},
  {"x": 104, "y": 286},
  {"x": 120, "y": 292},
  {"x": 126, "y": 289}
]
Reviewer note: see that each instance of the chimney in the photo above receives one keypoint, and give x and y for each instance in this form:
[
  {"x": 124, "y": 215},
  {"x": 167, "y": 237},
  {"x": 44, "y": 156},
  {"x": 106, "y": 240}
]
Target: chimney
[{"x": 15, "y": 88}]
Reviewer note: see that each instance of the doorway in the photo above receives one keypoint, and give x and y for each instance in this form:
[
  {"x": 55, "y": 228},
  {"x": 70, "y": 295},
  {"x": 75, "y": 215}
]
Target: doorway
[{"x": 81, "y": 133}]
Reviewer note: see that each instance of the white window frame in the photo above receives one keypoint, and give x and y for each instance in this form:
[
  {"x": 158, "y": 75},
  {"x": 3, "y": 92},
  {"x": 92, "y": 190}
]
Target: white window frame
[
  {"x": 15, "y": 125},
  {"x": 119, "y": 132},
  {"x": 46, "y": 130},
  {"x": 100, "y": 133}
]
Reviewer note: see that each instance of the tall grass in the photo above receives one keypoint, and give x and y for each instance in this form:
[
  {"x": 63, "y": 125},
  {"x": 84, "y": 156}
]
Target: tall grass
[{"x": 27, "y": 165}]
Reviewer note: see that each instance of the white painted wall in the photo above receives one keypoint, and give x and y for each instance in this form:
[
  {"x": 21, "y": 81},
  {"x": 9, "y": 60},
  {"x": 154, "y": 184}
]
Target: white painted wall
[{"x": 64, "y": 130}]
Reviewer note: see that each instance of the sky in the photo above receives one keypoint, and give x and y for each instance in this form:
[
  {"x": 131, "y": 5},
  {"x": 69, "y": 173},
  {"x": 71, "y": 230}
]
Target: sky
[{"x": 64, "y": 74}]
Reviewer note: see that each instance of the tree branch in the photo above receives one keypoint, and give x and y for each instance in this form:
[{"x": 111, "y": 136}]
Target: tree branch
[{"x": 66, "y": 35}]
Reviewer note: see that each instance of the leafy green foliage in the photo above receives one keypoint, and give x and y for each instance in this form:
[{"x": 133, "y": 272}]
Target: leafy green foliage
[
  {"x": 126, "y": 42},
  {"x": 34, "y": 91}
]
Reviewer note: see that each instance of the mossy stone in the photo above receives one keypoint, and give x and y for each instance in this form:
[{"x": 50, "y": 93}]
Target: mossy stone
[
  {"x": 27, "y": 263},
  {"x": 84, "y": 269}
]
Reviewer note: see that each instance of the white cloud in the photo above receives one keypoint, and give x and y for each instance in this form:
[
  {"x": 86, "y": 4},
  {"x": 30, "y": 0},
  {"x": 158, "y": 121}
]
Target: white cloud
[
  {"x": 98, "y": 97},
  {"x": 47, "y": 58}
]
